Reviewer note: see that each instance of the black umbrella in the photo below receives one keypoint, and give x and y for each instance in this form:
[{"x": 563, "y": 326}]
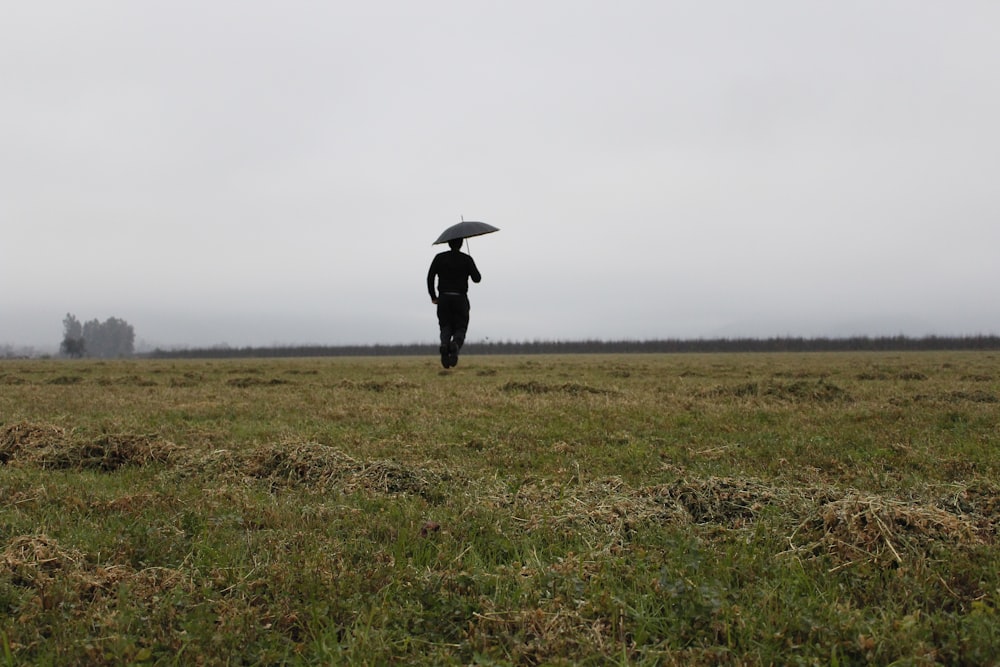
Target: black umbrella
[{"x": 464, "y": 230}]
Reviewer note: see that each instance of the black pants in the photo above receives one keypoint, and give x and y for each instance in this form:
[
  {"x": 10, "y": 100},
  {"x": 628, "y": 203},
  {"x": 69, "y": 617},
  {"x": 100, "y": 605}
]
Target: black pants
[{"x": 453, "y": 317}]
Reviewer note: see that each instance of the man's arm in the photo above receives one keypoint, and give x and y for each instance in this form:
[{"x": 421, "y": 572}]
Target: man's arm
[
  {"x": 430, "y": 281},
  {"x": 473, "y": 271}
]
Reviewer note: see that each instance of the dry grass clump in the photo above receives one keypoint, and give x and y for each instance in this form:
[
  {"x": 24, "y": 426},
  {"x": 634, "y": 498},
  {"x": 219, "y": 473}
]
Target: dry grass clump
[
  {"x": 867, "y": 528},
  {"x": 612, "y": 503},
  {"x": 49, "y": 446},
  {"x": 126, "y": 381},
  {"x": 845, "y": 525},
  {"x": 287, "y": 464},
  {"x": 297, "y": 463},
  {"x": 65, "y": 380},
  {"x": 391, "y": 478},
  {"x": 978, "y": 503},
  {"x": 186, "y": 379},
  {"x": 535, "y": 387},
  {"x": 952, "y": 397},
  {"x": 542, "y": 635},
  {"x": 977, "y": 396},
  {"x": 25, "y": 439},
  {"x": 883, "y": 376},
  {"x": 609, "y": 506},
  {"x": 377, "y": 386},
  {"x": 243, "y": 382},
  {"x": 726, "y": 501},
  {"x": 111, "y": 451},
  {"x": 57, "y": 577},
  {"x": 33, "y": 560},
  {"x": 320, "y": 468},
  {"x": 849, "y": 526},
  {"x": 820, "y": 391}
]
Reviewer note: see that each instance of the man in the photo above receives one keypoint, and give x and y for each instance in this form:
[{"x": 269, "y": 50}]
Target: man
[{"x": 453, "y": 269}]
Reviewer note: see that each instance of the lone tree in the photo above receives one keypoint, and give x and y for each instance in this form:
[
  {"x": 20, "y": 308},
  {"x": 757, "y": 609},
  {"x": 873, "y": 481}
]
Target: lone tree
[
  {"x": 109, "y": 339},
  {"x": 72, "y": 344}
]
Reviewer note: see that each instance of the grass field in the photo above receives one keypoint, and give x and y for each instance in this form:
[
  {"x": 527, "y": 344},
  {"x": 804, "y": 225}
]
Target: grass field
[{"x": 635, "y": 510}]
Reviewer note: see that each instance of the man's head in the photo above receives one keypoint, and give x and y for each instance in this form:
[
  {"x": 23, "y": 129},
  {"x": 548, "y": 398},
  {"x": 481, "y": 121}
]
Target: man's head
[{"x": 455, "y": 244}]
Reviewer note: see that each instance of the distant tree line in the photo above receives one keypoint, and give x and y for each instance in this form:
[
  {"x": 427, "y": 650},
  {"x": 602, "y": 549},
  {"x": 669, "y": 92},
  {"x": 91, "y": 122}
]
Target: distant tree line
[
  {"x": 788, "y": 344},
  {"x": 109, "y": 339},
  {"x": 8, "y": 351}
]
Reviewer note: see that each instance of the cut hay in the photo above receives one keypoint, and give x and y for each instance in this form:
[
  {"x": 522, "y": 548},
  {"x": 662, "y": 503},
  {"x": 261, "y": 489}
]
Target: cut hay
[
  {"x": 65, "y": 380},
  {"x": 24, "y": 439},
  {"x": 978, "y": 503},
  {"x": 112, "y": 451},
  {"x": 51, "y": 447},
  {"x": 57, "y": 575},
  {"x": 544, "y": 634},
  {"x": 824, "y": 522},
  {"x": 799, "y": 391},
  {"x": 607, "y": 506},
  {"x": 725, "y": 501},
  {"x": 376, "y": 386},
  {"x": 298, "y": 463},
  {"x": 872, "y": 529},
  {"x": 127, "y": 381},
  {"x": 571, "y": 388},
  {"x": 244, "y": 382},
  {"x": 320, "y": 468},
  {"x": 391, "y": 478},
  {"x": 37, "y": 560},
  {"x": 615, "y": 506},
  {"x": 32, "y": 560},
  {"x": 977, "y": 396}
]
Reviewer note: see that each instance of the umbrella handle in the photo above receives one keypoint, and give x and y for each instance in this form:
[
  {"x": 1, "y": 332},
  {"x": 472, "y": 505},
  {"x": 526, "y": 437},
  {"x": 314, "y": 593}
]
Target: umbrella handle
[{"x": 468, "y": 243}]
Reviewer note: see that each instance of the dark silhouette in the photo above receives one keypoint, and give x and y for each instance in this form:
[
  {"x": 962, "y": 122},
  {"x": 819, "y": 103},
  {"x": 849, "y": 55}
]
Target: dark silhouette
[
  {"x": 453, "y": 268},
  {"x": 73, "y": 347},
  {"x": 73, "y": 344}
]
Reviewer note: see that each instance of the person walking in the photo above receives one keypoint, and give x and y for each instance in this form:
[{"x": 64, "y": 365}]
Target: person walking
[{"x": 453, "y": 269}]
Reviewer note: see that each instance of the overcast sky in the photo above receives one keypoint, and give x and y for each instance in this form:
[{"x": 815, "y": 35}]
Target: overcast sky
[{"x": 258, "y": 173}]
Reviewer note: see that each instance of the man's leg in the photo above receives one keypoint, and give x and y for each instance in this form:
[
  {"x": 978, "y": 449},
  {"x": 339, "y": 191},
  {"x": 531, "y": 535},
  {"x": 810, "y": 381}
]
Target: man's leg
[
  {"x": 460, "y": 324},
  {"x": 445, "y": 325}
]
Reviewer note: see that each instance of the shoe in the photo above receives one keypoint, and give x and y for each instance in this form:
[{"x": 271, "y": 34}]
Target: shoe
[
  {"x": 445, "y": 356},
  {"x": 453, "y": 353}
]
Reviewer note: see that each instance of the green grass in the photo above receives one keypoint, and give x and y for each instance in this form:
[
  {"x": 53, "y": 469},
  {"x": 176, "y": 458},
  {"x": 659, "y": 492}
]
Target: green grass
[{"x": 609, "y": 510}]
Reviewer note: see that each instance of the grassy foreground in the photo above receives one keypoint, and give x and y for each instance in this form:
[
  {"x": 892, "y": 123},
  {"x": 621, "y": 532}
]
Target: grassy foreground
[{"x": 649, "y": 509}]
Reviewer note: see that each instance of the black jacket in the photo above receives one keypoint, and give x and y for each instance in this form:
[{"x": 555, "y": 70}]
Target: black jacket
[{"x": 453, "y": 269}]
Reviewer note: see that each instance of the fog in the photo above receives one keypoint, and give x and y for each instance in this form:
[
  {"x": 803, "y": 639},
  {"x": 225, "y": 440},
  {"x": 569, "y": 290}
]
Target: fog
[{"x": 258, "y": 173}]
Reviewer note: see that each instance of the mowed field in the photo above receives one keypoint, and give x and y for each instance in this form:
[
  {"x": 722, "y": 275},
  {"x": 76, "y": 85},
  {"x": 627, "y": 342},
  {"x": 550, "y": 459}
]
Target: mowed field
[{"x": 638, "y": 509}]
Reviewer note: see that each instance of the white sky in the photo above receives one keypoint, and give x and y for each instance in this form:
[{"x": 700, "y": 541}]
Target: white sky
[{"x": 261, "y": 173}]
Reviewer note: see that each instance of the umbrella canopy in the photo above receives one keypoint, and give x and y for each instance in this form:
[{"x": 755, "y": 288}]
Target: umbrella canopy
[{"x": 464, "y": 230}]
